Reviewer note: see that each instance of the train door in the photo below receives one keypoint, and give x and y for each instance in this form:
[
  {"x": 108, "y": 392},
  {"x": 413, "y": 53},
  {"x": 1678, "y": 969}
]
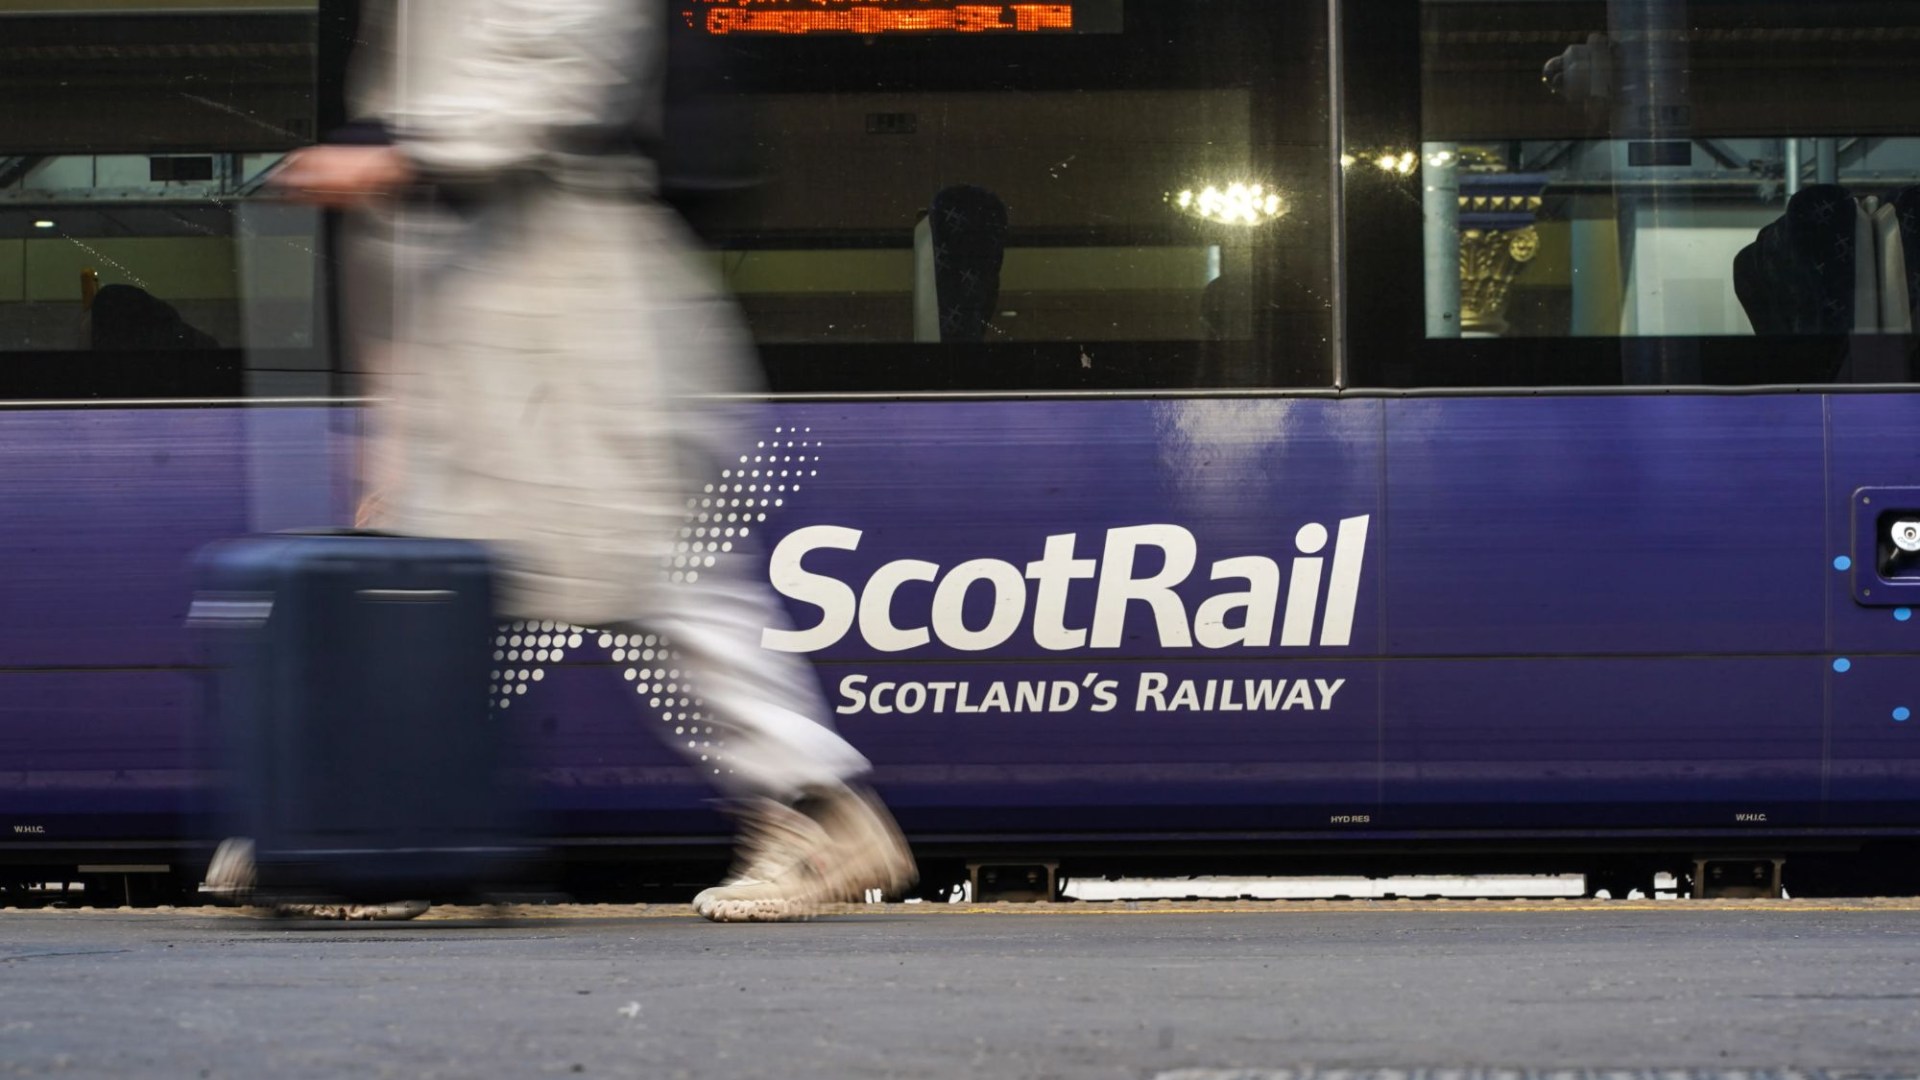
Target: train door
[{"x": 1639, "y": 300}]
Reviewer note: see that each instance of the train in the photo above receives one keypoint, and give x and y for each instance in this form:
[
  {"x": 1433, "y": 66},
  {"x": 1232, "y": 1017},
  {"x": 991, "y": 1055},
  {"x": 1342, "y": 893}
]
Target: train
[{"x": 1360, "y": 457}]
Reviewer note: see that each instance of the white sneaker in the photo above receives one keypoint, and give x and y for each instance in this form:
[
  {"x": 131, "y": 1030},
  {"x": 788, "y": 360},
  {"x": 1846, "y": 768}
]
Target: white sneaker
[
  {"x": 230, "y": 876},
  {"x": 776, "y": 877},
  {"x": 839, "y": 844},
  {"x": 230, "y": 880},
  {"x": 868, "y": 853}
]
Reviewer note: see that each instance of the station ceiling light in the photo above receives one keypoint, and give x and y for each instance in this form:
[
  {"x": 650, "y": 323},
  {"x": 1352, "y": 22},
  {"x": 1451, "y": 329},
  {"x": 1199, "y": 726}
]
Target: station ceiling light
[
  {"x": 1391, "y": 162},
  {"x": 1234, "y": 204}
]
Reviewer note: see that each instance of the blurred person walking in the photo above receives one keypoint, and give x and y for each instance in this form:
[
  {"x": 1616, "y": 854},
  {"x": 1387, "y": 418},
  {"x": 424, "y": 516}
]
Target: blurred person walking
[{"x": 546, "y": 348}]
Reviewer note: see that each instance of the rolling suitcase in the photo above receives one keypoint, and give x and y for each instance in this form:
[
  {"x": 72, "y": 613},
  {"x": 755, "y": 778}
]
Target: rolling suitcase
[{"x": 350, "y": 676}]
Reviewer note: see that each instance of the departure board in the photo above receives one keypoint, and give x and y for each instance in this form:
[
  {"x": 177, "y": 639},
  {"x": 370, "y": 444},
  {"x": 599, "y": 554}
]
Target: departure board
[{"x": 811, "y": 18}]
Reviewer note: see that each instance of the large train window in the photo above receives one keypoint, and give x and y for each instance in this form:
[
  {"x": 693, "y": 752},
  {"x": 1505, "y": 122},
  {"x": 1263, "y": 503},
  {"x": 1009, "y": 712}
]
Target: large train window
[
  {"x": 1094, "y": 194},
  {"x": 1635, "y": 192},
  {"x": 132, "y": 261}
]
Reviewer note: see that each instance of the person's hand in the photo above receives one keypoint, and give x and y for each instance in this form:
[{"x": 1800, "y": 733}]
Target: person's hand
[{"x": 342, "y": 177}]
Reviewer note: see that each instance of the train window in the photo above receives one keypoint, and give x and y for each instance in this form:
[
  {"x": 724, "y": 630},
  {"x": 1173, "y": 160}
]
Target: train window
[
  {"x": 1110, "y": 194},
  {"x": 131, "y": 138},
  {"x": 1640, "y": 192}
]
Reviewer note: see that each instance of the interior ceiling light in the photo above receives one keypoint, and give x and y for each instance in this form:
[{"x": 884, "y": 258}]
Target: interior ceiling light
[
  {"x": 1391, "y": 162},
  {"x": 1403, "y": 163},
  {"x": 43, "y": 224},
  {"x": 1235, "y": 204}
]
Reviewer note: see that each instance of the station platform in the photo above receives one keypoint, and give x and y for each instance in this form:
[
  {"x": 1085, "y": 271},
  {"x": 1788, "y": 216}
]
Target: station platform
[{"x": 1290, "y": 990}]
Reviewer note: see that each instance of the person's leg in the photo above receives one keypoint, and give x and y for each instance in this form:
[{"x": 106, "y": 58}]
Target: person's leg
[
  {"x": 753, "y": 722},
  {"x": 758, "y": 729}
]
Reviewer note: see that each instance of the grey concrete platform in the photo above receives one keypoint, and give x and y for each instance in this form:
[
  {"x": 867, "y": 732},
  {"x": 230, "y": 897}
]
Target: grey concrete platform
[{"x": 1124, "y": 991}]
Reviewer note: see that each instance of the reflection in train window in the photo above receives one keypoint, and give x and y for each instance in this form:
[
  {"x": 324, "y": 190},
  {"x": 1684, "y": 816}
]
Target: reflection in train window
[
  {"x": 131, "y": 141},
  {"x": 1052, "y": 211},
  {"x": 1138, "y": 205},
  {"x": 1671, "y": 168}
]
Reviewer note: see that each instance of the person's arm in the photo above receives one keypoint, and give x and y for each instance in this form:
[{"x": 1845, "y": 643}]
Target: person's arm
[
  {"x": 526, "y": 80},
  {"x": 529, "y": 79}
]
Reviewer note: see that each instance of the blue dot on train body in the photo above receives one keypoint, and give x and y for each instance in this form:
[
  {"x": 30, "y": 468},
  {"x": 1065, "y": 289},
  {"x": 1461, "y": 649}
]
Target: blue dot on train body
[
  {"x": 1843, "y": 665},
  {"x": 1903, "y": 614},
  {"x": 1843, "y": 563},
  {"x": 1902, "y": 714}
]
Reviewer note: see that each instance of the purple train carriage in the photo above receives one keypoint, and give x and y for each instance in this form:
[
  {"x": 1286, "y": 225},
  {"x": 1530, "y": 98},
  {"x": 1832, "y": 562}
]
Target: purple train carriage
[{"x": 1227, "y": 437}]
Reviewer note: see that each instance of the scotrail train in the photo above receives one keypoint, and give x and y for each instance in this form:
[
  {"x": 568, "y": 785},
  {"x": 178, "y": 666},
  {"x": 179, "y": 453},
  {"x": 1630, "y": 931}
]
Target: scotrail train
[
  {"x": 1541, "y": 671},
  {"x": 1441, "y": 511}
]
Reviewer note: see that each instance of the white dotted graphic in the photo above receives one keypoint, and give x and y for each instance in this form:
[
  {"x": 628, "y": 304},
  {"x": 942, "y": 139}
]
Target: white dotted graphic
[
  {"x": 724, "y": 513},
  {"x": 541, "y": 643}
]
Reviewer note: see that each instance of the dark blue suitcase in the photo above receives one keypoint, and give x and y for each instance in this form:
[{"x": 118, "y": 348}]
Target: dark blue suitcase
[{"x": 350, "y": 687}]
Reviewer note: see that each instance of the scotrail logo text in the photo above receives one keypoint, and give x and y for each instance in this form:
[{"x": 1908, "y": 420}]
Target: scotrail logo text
[{"x": 1242, "y": 613}]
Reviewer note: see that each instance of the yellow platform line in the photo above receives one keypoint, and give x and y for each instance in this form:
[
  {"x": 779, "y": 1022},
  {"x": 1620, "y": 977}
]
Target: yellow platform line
[{"x": 1081, "y": 909}]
